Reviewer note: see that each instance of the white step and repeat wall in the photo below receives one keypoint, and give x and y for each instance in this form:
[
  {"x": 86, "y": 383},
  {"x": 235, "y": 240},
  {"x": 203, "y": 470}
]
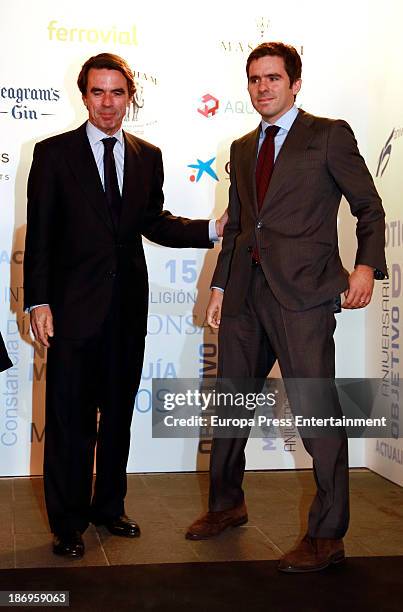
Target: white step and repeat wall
[
  {"x": 189, "y": 63},
  {"x": 385, "y": 316}
]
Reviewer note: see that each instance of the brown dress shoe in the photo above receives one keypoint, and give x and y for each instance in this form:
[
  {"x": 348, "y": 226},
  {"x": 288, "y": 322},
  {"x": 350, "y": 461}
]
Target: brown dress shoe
[
  {"x": 213, "y": 523},
  {"x": 312, "y": 555}
]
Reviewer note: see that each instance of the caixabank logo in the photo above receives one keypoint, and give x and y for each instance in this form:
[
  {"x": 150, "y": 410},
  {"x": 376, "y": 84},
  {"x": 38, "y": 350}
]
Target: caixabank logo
[
  {"x": 202, "y": 168},
  {"x": 28, "y": 103},
  {"x": 142, "y": 112}
]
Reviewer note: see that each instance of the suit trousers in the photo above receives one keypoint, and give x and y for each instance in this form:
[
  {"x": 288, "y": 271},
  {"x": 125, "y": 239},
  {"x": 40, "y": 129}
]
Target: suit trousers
[
  {"x": 249, "y": 345},
  {"x": 100, "y": 373}
]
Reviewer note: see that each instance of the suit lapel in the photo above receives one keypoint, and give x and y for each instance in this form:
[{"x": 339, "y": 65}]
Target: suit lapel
[
  {"x": 133, "y": 187},
  {"x": 247, "y": 166},
  {"x": 84, "y": 167},
  {"x": 296, "y": 141}
]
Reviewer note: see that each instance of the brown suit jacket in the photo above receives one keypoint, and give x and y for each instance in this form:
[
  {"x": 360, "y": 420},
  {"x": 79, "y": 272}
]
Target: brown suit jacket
[{"x": 296, "y": 229}]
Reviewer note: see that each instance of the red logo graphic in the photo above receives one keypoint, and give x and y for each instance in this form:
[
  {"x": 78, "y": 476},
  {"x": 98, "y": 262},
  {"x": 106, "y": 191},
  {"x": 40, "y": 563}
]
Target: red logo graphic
[{"x": 209, "y": 106}]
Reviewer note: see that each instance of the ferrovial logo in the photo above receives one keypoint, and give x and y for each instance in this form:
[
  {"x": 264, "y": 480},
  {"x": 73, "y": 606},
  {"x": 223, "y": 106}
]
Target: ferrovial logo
[
  {"x": 209, "y": 106},
  {"x": 109, "y": 35},
  {"x": 202, "y": 167},
  {"x": 28, "y": 102}
]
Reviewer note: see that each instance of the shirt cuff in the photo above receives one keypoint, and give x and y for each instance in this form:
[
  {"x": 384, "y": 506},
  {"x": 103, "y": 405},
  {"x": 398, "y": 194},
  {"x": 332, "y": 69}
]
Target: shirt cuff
[
  {"x": 219, "y": 288},
  {"x": 212, "y": 233},
  {"x": 31, "y": 308}
]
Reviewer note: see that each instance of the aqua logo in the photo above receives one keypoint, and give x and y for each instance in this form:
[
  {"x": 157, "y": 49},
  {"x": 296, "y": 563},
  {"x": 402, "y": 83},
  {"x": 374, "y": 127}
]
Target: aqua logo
[{"x": 209, "y": 106}]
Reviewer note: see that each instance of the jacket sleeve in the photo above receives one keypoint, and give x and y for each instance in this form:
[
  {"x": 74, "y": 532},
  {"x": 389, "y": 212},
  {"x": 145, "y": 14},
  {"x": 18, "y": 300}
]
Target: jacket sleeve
[
  {"x": 39, "y": 236},
  {"x": 5, "y": 361},
  {"x": 352, "y": 176},
  {"x": 163, "y": 227},
  {"x": 231, "y": 230}
]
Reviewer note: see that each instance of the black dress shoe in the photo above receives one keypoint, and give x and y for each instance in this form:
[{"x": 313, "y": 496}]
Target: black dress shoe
[
  {"x": 122, "y": 526},
  {"x": 69, "y": 544}
]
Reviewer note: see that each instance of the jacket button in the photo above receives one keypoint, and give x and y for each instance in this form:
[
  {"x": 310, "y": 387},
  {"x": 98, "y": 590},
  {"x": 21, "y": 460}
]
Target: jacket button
[
  {"x": 250, "y": 249},
  {"x": 259, "y": 225}
]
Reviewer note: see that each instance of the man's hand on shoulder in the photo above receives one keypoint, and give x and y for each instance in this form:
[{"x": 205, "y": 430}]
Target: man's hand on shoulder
[
  {"x": 221, "y": 223},
  {"x": 213, "y": 312},
  {"x": 360, "y": 287},
  {"x": 42, "y": 324}
]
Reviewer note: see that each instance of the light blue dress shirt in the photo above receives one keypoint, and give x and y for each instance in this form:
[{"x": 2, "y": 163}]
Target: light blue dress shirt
[
  {"x": 284, "y": 123},
  {"x": 95, "y": 137}
]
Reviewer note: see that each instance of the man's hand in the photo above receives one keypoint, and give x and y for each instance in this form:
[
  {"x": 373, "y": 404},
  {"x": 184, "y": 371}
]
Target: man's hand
[
  {"x": 220, "y": 223},
  {"x": 213, "y": 312},
  {"x": 360, "y": 287},
  {"x": 42, "y": 324}
]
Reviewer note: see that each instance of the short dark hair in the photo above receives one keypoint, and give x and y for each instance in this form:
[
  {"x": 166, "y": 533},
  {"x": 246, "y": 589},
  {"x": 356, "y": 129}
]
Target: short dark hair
[
  {"x": 111, "y": 62},
  {"x": 290, "y": 55}
]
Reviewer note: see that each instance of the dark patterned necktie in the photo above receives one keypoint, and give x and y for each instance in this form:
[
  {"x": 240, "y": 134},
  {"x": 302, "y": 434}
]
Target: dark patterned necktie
[
  {"x": 112, "y": 191},
  {"x": 265, "y": 164},
  {"x": 264, "y": 170}
]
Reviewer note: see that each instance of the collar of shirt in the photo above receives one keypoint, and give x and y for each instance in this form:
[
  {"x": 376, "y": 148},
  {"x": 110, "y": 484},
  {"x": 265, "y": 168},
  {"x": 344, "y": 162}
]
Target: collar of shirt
[
  {"x": 95, "y": 135},
  {"x": 284, "y": 122}
]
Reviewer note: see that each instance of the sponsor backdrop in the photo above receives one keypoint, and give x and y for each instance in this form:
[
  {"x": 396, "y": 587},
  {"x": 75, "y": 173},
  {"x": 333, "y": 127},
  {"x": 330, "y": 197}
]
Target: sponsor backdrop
[
  {"x": 385, "y": 316},
  {"x": 192, "y": 102}
]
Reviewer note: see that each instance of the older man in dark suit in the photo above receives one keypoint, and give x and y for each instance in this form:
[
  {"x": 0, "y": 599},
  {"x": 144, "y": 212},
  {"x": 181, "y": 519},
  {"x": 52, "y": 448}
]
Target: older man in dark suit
[
  {"x": 92, "y": 193},
  {"x": 278, "y": 278}
]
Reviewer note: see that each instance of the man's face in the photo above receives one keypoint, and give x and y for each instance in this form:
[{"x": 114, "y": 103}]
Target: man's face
[
  {"x": 269, "y": 87},
  {"x": 106, "y": 99}
]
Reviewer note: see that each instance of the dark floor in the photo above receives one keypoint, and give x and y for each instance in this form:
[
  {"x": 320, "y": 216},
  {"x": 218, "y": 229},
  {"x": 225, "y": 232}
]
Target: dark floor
[{"x": 165, "y": 504}]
